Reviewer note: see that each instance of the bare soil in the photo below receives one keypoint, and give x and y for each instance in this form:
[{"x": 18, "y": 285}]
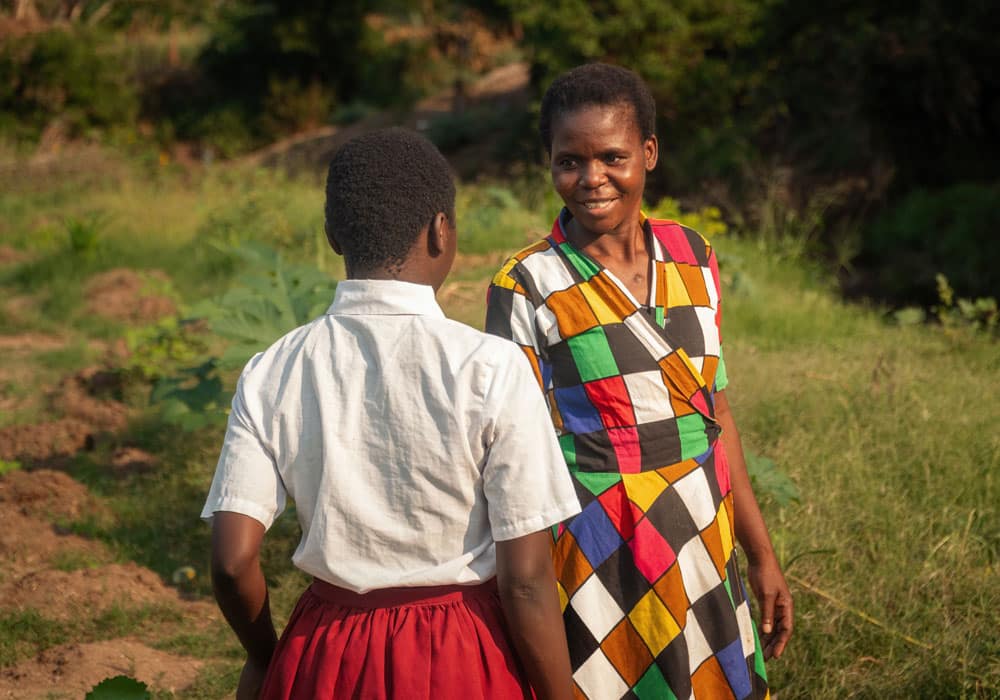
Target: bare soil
[
  {"x": 125, "y": 295},
  {"x": 30, "y": 342},
  {"x": 10, "y": 256},
  {"x": 69, "y": 671},
  {"x": 85, "y": 416},
  {"x": 46, "y": 494},
  {"x": 36, "y": 555},
  {"x": 61, "y": 595}
]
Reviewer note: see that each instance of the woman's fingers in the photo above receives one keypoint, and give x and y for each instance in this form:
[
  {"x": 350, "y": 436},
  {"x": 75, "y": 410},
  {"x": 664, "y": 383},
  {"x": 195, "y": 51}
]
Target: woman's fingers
[{"x": 782, "y": 625}]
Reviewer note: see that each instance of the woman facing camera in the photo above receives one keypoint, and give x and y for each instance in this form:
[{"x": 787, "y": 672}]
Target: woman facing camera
[{"x": 620, "y": 317}]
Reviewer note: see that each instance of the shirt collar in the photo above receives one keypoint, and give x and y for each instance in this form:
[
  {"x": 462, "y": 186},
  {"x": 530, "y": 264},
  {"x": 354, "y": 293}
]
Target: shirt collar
[{"x": 384, "y": 298}]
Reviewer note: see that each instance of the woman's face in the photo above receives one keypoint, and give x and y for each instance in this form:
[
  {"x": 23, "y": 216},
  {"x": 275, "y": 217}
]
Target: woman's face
[{"x": 599, "y": 165}]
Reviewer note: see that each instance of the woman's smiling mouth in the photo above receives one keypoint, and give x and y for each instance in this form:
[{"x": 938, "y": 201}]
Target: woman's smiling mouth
[{"x": 597, "y": 204}]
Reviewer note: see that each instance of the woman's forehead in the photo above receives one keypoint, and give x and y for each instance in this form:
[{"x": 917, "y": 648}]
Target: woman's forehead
[{"x": 596, "y": 122}]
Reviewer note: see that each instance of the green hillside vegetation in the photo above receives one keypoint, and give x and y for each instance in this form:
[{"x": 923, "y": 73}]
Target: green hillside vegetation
[{"x": 886, "y": 431}]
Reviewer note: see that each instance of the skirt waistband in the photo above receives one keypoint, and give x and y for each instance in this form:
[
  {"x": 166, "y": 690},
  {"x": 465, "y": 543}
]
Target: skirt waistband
[{"x": 399, "y": 597}]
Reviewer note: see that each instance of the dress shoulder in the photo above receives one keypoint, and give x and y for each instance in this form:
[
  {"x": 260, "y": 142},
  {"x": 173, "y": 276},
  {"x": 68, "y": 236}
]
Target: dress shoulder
[{"x": 682, "y": 243}]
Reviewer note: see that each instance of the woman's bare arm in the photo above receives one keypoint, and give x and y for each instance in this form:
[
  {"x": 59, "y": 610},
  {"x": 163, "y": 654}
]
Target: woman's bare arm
[{"x": 763, "y": 571}]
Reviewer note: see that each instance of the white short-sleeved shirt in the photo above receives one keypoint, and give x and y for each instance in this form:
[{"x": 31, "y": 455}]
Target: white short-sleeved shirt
[{"x": 409, "y": 442}]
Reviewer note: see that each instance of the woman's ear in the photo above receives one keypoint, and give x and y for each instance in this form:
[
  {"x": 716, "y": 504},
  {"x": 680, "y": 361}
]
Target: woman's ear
[{"x": 651, "y": 149}]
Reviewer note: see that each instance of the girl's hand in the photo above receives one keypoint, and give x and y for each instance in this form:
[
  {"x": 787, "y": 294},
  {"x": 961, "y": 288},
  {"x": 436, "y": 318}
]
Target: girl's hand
[
  {"x": 251, "y": 681},
  {"x": 775, "y": 601}
]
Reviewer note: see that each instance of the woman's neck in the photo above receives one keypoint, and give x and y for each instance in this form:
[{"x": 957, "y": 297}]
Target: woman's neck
[{"x": 625, "y": 244}]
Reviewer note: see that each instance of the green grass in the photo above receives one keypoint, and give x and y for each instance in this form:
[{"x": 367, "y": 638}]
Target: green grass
[{"x": 887, "y": 431}]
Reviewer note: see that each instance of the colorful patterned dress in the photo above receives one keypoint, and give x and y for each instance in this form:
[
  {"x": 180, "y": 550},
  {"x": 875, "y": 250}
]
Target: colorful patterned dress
[{"x": 648, "y": 580}]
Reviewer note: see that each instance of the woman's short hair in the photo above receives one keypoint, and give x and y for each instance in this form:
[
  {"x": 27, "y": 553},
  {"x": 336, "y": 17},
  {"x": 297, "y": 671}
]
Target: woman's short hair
[{"x": 597, "y": 84}]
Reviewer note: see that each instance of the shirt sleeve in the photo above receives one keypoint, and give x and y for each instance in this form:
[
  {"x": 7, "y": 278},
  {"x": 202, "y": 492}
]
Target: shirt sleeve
[
  {"x": 246, "y": 478},
  {"x": 525, "y": 479},
  {"x": 510, "y": 315}
]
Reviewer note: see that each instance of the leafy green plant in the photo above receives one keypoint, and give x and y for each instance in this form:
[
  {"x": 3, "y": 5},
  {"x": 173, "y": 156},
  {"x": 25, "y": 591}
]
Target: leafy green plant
[
  {"x": 119, "y": 688},
  {"x": 769, "y": 481},
  {"x": 84, "y": 235},
  {"x": 980, "y": 314},
  {"x": 161, "y": 349},
  {"x": 707, "y": 221},
  {"x": 272, "y": 298}
]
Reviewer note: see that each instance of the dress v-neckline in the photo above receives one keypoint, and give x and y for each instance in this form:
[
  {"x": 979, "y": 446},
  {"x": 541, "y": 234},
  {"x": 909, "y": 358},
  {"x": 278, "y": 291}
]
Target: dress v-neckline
[{"x": 652, "y": 247}]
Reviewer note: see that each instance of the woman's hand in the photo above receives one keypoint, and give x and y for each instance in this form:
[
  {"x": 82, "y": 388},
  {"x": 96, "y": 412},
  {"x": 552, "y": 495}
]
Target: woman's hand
[
  {"x": 775, "y": 602},
  {"x": 763, "y": 571},
  {"x": 251, "y": 681}
]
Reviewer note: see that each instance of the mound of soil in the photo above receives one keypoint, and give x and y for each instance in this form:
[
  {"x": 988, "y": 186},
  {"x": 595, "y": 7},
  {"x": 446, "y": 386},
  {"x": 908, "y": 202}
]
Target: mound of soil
[
  {"x": 61, "y": 595},
  {"x": 42, "y": 442},
  {"x": 45, "y": 494},
  {"x": 76, "y": 398},
  {"x": 10, "y": 256},
  {"x": 132, "y": 459},
  {"x": 85, "y": 417},
  {"x": 28, "y": 544},
  {"x": 69, "y": 671},
  {"x": 124, "y": 294}
]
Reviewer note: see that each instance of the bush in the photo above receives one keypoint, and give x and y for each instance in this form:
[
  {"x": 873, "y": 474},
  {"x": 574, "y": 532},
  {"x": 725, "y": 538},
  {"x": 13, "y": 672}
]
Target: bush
[
  {"x": 62, "y": 76},
  {"x": 950, "y": 231}
]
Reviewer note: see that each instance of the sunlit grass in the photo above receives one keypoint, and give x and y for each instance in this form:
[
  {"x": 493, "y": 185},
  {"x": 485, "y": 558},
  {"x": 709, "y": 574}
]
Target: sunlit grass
[{"x": 888, "y": 432}]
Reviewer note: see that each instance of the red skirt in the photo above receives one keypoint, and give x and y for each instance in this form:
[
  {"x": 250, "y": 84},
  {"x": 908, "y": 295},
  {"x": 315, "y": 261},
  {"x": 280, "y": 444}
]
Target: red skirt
[{"x": 431, "y": 643}]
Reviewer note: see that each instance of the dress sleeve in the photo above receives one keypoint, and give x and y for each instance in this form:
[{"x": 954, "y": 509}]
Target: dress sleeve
[
  {"x": 511, "y": 315},
  {"x": 246, "y": 478},
  {"x": 721, "y": 376},
  {"x": 525, "y": 480}
]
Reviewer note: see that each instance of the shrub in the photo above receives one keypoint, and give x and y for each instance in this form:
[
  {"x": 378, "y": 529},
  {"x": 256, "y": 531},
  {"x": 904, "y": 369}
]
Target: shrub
[
  {"x": 950, "y": 231},
  {"x": 63, "y": 76}
]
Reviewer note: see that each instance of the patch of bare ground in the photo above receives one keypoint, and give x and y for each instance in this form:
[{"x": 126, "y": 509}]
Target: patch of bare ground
[
  {"x": 84, "y": 417},
  {"x": 129, "y": 460},
  {"x": 125, "y": 295},
  {"x": 11, "y": 256},
  {"x": 30, "y": 342},
  {"x": 44, "y": 493},
  {"x": 61, "y": 595},
  {"x": 69, "y": 671},
  {"x": 28, "y": 541},
  {"x": 28, "y": 544}
]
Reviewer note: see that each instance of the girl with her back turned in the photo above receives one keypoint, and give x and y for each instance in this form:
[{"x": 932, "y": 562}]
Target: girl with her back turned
[{"x": 423, "y": 476}]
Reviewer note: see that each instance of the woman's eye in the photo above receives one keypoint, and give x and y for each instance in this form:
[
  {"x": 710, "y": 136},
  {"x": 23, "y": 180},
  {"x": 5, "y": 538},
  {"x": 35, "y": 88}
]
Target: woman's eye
[{"x": 566, "y": 163}]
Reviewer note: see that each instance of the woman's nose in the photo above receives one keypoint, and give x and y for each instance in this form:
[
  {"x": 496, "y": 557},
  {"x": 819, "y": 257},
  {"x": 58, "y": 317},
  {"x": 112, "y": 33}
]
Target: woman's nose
[{"x": 592, "y": 174}]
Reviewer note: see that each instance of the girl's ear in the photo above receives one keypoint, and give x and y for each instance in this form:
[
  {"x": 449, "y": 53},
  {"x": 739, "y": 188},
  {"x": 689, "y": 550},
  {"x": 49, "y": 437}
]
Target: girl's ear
[
  {"x": 440, "y": 235},
  {"x": 651, "y": 150},
  {"x": 332, "y": 240}
]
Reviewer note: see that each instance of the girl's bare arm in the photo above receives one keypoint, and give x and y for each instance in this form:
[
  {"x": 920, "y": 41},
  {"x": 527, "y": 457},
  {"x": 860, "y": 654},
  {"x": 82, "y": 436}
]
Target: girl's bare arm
[{"x": 530, "y": 601}]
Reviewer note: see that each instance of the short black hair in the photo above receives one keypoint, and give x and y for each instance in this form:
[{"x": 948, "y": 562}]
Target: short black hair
[
  {"x": 597, "y": 84},
  {"x": 382, "y": 189}
]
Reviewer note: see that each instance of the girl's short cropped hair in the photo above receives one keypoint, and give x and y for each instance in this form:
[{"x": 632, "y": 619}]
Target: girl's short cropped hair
[
  {"x": 596, "y": 84},
  {"x": 382, "y": 189}
]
